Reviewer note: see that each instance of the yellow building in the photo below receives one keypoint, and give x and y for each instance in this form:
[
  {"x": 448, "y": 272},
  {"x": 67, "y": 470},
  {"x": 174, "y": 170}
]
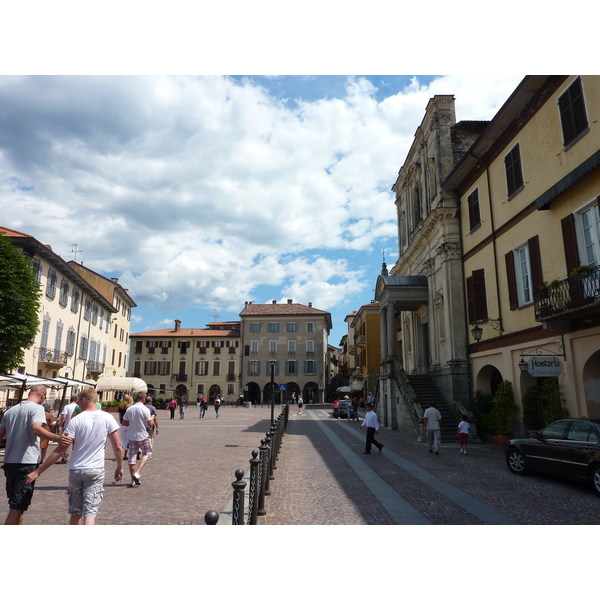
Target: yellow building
[
  {"x": 189, "y": 362},
  {"x": 365, "y": 326},
  {"x": 529, "y": 189}
]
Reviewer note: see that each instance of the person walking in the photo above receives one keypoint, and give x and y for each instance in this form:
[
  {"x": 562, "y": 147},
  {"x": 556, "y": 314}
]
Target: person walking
[
  {"x": 182, "y": 405},
  {"x": 22, "y": 425},
  {"x": 463, "y": 434},
  {"x": 355, "y": 405},
  {"x": 68, "y": 412},
  {"x": 125, "y": 404},
  {"x": 138, "y": 419},
  {"x": 371, "y": 422},
  {"x": 202, "y": 406},
  {"x": 432, "y": 421},
  {"x": 88, "y": 432},
  {"x": 153, "y": 429},
  {"x": 48, "y": 427},
  {"x": 217, "y": 406},
  {"x": 172, "y": 407},
  {"x": 300, "y": 405}
]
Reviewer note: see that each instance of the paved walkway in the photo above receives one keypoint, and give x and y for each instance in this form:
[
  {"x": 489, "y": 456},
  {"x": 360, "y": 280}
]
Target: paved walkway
[{"x": 322, "y": 477}]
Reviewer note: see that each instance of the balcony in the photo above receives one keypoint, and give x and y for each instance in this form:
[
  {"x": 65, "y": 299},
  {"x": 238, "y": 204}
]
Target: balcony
[
  {"x": 569, "y": 298},
  {"x": 352, "y": 350},
  {"x": 180, "y": 377},
  {"x": 52, "y": 357},
  {"x": 361, "y": 341},
  {"x": 94, "y": 367}
]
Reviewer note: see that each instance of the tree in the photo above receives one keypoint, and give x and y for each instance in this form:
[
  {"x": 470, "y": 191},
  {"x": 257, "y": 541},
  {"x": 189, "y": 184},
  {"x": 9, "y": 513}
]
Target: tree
[{"x": 19, "y": 305}]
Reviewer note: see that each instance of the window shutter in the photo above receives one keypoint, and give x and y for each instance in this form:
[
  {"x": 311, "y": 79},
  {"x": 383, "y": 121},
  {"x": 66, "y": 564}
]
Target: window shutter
[
  {"x": 471, "y": 300},
  {"x": 477, "y": 296},
  {"x": 535, "y": 259},
  {"x": 512, "y": 280},
  {"x": 570, "y": 242}
]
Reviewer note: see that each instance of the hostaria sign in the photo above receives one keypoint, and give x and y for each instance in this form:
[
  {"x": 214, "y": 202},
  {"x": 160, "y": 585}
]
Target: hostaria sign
[{"x": 544, "y": 366}]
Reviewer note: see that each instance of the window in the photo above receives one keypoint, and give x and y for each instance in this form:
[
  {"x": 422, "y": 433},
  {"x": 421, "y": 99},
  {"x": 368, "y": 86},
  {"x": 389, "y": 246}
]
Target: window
[
  {"x": 524, "y": 273},
  {"x": 310, "y": 367},
  {"x": 58, "y": 338},
  {"x": 51, "y": 284},
  {"x": 83, "y": 348},
  {"x": 162, "y": 389},
  {"x": 70, "y": 345},
  {"x": 253, "y": 367},
  {"x": 291, "y": 367},
  {"x": 183, "y": 346},
  {"x": 87, "y": 313},
  {"x": 573, "y": 116},
  {"x": 101, "y": 324},
  {"x": 164, "y": 367},
  {"x": 254, "y": 346},
  {"x": 137, "y": 368},
  {"x": 37, "y": 269},
  {"x": 216, "y": 368},
  {"x": 201, "y": 388},
  {"x": 476, "y": 297},
  {"x": 254, "y": 327},
  {"x": 64, "y": 292},
  {"x": 291, "y": 327},
  {"x": 310, "y": 327},
  {"x": 310, "y": 345},
  {"x": 590, "y": 238},
  {"x": 275, "y": 364},
  {"x": 164, "y": 346},
  {"x": 138, "y": 346},
  {"x": 273, "y": 327},
  {"x": 272, "y": 346},
  {"x": 202, "y": 368},
  {"x": 95, "y": 314},
  {"x": 202, "y": 346},
  {"x": 291, "y": 346},
  {"x": 151, "y": 345},
  {"x": 217, "y": 346},
  {"x": 232, "y": 345},
  {"x": 474, "y": 215},
  {"x": 230, "y": 389},
  {"x": 75, "y": 300},
  {"x": 150, "y": 367},
  {"x": 514, "y": 171},
  {"x": 45, "y": 331}
]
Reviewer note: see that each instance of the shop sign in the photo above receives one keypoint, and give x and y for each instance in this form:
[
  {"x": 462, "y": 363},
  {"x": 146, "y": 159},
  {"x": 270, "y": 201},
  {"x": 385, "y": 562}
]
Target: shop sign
[{"x": 544, "y": 366}]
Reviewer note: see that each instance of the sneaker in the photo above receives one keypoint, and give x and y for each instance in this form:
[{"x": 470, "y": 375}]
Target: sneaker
[
  {"x": 461, "y": 450},
  {"x": 133, "y": 483},
  {"x": 464, "y": 451},
  {"x": 136, "y": 478},
  {"x": 437, "y": 452}
]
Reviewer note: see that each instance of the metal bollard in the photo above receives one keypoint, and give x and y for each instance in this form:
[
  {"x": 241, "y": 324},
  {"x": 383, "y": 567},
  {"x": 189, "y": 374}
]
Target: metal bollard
[
  {"x": 262, "y": 469},
  {"x": 267, "y": 464},
  {"x": 211, "y": 517},
  {"x": 254, "y": 489},
  {"x": 237, "y": 518}
]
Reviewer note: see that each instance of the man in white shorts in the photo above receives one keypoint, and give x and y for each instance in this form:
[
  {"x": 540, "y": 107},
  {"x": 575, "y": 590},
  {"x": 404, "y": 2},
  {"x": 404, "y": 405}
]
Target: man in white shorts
[
  {"x": 88, "y": 433},
  {"x": 137, "y": 419}
]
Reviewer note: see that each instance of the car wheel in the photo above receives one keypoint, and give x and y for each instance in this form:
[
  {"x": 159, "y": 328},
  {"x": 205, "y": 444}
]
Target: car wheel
[
  {"x": 516, "y": 462},
  {"x": 595, "y": 478}
]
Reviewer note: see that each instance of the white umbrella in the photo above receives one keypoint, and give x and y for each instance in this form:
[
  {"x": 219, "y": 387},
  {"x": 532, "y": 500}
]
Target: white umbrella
[
  {"x": 121, "y": 384},
  {"x": 344, "y": 389}
]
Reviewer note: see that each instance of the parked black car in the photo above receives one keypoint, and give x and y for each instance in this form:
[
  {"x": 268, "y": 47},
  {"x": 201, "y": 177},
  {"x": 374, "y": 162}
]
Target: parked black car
[{"x": 567, "y": 448}]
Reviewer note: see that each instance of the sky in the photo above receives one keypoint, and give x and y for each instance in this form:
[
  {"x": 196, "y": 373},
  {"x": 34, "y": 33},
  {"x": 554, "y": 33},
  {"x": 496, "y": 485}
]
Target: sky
[{"x": 202, "y": 192}]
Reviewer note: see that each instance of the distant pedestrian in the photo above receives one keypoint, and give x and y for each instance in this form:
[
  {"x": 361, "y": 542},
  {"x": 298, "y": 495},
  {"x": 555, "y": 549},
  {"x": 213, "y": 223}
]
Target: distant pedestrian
[
  {"x": 372, "y": 424},
  {"x": 172, "y": 407},
  {"x": 153, "y": 429},
  {"x": 22, "y": 426},
  {"x": 463, "y": 434},
  {"x": 432, "y": 421},
  {"x": 336, "y": 409},
  {"x": 202, "y": 406},
  {"x": 88, "y": 432},
  {"x": 48, "y": 427},
  {"x": 361, "y": 404},
  {"x": 300, "y": 405},
  {"x": 63, "y": 421},
  {"x": 217, "y": 406},
  {"x": 355, "y": 405},
  {"x": 293, "y": 397},
  {"x": 182, "y": 405}
]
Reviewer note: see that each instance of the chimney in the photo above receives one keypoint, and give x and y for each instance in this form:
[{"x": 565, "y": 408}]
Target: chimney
[
  {"x": 115, "y": 279},
  {"x": 289, "y": 300},
  {"x": 177, "y": 324},
  {"x": 310, "y": 305},
  {"x": 274, "y": 301}
]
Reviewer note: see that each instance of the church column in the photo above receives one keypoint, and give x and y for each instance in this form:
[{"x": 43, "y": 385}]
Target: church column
[
  {"x": 391, "y": 331},
  {"x": 383, "y": 332}
]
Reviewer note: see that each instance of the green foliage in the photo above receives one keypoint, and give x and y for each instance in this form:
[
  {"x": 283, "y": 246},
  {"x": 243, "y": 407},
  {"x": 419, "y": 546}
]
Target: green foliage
[
  {"x": 555, "y": 406},
  {"x": 496, "y": 414},
  {"x": 533, "y": 409},
  {"x": 19, "y": 306},
  {"x": 112, "y": 403}
]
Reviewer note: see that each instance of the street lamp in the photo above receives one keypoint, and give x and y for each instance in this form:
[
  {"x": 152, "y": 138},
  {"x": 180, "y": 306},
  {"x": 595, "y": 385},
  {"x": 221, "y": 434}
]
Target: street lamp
[
  {"x": 523, "y": 365},
  {"x": 272, "y": 392}
]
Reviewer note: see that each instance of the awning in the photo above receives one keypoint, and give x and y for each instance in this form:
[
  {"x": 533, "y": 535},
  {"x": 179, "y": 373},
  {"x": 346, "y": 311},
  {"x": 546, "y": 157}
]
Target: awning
[
  {"x": 344, "y": 389},
  {"x": 121, "y": 384}
]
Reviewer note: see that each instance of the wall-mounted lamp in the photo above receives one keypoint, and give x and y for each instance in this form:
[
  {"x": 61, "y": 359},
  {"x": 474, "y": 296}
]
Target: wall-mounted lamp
[
  {"x": 523, "y": 365},
  {"x": 493, "y": 323}
]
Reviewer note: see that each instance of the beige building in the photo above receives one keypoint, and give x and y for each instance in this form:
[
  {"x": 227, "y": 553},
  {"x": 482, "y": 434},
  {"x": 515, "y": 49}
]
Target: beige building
[
  {"x": 291, "y": 337},
  {"x": 73, "y": 338},
  {"x": 529, "y": 190},
  {"x": 188, "y": 362},
  {"x": 421, "y": 299},
  {"x": 366, "y": 330},
  {"x": 120, "y": 320}
]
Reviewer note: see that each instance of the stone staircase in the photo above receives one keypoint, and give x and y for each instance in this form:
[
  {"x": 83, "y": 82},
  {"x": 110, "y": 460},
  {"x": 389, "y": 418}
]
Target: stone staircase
[{"x": 426, "y": 394}]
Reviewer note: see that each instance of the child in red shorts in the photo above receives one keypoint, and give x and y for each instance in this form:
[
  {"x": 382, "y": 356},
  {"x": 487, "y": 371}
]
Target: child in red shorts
[{"x": 463, "y": 434}]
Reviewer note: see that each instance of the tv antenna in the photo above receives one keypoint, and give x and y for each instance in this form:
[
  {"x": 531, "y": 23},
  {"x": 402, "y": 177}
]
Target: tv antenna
[
  {"x": 75, "y": 252},
  {"x": 215, "y": 315}
]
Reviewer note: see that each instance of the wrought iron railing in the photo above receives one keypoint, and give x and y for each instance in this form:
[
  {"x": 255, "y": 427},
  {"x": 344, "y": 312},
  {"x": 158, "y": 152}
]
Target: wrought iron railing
[
  {"x": 408, "y": 395},
  {"x": 52, "y": 355},
  {"x": 570, "y": 294}
]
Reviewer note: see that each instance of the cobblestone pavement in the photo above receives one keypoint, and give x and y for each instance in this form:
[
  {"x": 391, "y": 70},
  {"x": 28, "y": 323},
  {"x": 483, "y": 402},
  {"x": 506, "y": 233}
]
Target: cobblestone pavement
[{"x": 322, "y": 478}]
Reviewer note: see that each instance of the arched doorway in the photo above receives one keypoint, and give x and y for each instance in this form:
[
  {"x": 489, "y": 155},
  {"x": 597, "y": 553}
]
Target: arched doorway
[
  {"x": 292, "y": 388},
  {"x": 311, "y": 393},
  {"x": 253, "y": 393},
  {"x": 181, "y": 390},
  {"x": 214, "y": 391},
  {"x": 591, "y": 385},
  {"x": 488, "y": 379},
  {"x": 276, "y": 393}
]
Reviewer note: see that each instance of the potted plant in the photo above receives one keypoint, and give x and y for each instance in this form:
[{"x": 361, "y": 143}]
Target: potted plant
[
  {"x": 533, "y": 410},
  {"x": 497, "y": 415}
]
